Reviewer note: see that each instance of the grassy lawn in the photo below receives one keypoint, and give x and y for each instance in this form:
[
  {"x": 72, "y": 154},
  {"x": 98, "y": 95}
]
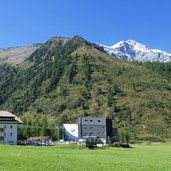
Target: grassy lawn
[{"x": 155, "y": 157}]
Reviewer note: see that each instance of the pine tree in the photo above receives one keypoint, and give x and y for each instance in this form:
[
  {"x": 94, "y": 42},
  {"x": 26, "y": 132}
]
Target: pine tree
[
  {"x": 127, "y": 137},
  {"x": 122, "y": 137}
]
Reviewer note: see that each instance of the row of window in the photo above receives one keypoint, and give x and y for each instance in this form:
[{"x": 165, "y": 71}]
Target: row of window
[
  {"x": 11, "y": 126},
  {"x": 6, "y": 119},
  {"x": 6, "y": 134},
  {"x": 92, "y": 120},
  {"x": 99, "y": 127},
  {"x": 10, "y": 134},
  {"x": 91, "y": 133}
]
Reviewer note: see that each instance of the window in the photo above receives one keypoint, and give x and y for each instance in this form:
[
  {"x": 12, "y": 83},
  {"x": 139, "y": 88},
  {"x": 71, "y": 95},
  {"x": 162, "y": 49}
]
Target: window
[
  {"x": 10, "y": 126},
  {"x": 11, "y": 134},
  {"x": 85, "y": 120},
  {"x": 91, "y": 120},
  {"x": 99, "y": 121},
  {"x": 4, "y": 126}
]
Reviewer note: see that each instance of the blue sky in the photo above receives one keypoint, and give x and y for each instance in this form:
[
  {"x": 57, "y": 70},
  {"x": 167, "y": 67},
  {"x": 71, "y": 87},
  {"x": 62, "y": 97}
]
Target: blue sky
[{"x": 24, "y": 22}]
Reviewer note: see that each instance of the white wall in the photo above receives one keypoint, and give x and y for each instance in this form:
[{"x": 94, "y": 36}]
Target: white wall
[{"x": 10, "y": 133}]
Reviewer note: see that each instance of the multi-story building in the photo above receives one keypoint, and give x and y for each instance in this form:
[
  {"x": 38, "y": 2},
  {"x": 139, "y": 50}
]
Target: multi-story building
[
  {"x": 8, "y": 127},
  {"x": 95, "y": 127}
]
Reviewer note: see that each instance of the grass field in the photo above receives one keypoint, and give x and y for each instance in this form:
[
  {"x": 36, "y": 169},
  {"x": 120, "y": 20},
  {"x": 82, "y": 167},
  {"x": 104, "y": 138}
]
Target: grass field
[{"x": 155, "y": 157}]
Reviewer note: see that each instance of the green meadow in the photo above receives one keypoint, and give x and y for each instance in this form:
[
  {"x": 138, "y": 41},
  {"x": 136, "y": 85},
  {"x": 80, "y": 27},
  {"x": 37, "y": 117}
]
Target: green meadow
[{"x": 155, "y": 157}]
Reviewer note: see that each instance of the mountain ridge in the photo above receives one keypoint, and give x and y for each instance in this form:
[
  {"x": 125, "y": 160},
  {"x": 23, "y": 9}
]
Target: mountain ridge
[{"x": 129, "y": 50}]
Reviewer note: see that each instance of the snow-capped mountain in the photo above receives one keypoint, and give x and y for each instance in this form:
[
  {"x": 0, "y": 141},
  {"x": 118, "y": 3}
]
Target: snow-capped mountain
[{"x": 131, "y": 50}]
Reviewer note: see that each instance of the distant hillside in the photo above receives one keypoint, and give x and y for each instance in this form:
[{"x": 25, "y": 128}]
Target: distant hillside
[
  {"x": 16, "y": 55},
  {"x": 65, "y": 80}
]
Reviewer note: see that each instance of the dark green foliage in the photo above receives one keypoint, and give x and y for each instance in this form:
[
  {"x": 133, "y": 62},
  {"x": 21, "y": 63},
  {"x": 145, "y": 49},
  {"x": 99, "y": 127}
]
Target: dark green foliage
[
  {"x": 7, "y": 74},
  {"x": 163, "y": 69},
  {"x": 122, "y": 137},
  {"x": 39, "y": 125},
  {"x": 127, "y": 137}
]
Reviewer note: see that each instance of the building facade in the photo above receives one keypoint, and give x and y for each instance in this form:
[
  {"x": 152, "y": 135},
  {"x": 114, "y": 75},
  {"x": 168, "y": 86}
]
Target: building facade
[
  {"x": 8, "y": 128},
  {"x": 70, "y": 132},
  {"x": 95, "y": 127}
]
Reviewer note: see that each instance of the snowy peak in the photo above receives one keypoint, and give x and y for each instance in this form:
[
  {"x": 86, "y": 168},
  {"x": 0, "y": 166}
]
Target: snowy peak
[
  {"x": 130, "y": 43},
  {"x": 131, "y": 50}
]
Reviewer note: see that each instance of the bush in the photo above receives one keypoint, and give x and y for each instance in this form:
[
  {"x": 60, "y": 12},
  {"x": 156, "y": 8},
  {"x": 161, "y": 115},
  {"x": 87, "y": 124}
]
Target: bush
[{"x": 122, "y": 145}]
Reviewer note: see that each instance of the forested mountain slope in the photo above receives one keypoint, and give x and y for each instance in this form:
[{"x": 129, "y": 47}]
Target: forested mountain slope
[{"x": 71, "y": 77}]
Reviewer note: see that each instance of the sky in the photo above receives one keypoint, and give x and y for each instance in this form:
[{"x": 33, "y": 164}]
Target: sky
[{"x": 24, "y": 22}]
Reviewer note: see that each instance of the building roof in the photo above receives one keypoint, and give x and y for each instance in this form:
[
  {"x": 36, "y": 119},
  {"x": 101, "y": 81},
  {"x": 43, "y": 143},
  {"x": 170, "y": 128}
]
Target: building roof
[{"x": 6, "y": 114}]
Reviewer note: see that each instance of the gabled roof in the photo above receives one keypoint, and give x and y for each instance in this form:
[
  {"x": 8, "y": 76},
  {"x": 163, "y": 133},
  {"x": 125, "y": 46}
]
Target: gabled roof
[{"x": 6, "y": 114}]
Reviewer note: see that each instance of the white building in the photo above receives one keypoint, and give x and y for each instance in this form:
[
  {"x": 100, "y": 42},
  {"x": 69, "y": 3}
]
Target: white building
[{"x": 8, "y": 128}]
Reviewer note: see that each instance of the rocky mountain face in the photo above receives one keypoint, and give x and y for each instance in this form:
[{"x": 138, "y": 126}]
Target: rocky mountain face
[
  {"x": 131, "y": 50},
  {"x": 17, "y": 55}
]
